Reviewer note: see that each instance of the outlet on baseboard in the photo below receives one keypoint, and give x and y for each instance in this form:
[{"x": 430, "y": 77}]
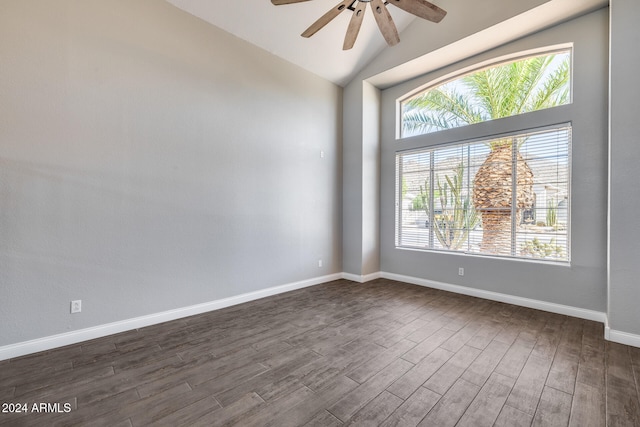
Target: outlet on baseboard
[{"x": 76, "y": 306}]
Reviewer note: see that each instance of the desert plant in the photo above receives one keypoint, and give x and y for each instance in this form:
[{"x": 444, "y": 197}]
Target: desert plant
[
  {"x": 536, "y": 249},
  {"x": 417, "y": 204},
  {"x": 552, "y": 213},
  {"x": 458, "y": 216}
]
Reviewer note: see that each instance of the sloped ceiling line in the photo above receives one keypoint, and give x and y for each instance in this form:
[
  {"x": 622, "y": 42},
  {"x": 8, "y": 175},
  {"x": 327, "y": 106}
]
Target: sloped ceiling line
[{"x": 277, "y": 29}]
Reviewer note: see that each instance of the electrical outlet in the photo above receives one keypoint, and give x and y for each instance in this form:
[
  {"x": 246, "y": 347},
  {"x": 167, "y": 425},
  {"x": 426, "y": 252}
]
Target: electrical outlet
[
  {"x": 460, "y": 271},
  {"x": 319, "y": 263},
  {"x": 76, "y": 306},
  {"x": 321, "y": 154}
]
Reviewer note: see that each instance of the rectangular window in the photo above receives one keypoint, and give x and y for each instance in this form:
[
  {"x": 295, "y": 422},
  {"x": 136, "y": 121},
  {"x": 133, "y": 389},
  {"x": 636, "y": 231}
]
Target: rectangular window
[{"x": 506, "y": 197}]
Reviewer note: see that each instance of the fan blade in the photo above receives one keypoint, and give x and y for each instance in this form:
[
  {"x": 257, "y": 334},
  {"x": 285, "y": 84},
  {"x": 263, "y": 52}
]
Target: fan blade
[
  {"x": 421, "y": 8},
  {"x": 326, "y": 18},
  {"x": 385, "y": 22},
  {"x": 354, "y": 25},
  {"x": 279, "y": 2}
]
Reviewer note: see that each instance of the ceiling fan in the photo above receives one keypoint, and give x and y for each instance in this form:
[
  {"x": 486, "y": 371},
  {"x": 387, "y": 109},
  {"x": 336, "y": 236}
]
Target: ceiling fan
[{"x": 420, "y": 8}]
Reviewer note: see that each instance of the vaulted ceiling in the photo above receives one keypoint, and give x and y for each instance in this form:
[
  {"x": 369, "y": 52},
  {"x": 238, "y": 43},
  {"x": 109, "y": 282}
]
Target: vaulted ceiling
[{"x": 277, "y": 29}]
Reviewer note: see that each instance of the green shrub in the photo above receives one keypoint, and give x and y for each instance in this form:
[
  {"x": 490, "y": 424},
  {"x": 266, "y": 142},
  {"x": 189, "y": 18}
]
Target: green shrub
[
  {"x": 552, "y": 213},
  {"x": 536, "y": 249}
]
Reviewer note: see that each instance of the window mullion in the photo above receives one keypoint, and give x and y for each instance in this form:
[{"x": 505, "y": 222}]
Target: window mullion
[
  {"x": 514, "y": 193},
  {"x": 399, "y": 200},
  {"x": 467, "y": 168},
  {"x": 431, "y": 197}
]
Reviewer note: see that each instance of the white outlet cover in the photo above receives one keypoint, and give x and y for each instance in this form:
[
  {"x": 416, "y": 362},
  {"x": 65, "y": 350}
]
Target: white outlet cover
[{"x": 76, "y": 306}]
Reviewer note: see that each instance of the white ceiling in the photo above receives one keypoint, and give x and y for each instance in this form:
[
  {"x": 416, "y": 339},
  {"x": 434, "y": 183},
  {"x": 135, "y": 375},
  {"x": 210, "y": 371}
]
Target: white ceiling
[{"x": 277, "y": 29}]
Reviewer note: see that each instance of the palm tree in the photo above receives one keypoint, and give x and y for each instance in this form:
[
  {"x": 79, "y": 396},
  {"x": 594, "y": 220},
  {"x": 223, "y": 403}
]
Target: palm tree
[{"x": 503, "y": 91}]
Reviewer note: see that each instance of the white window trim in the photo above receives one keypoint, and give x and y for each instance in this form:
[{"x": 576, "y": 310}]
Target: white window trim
[
  {"x": 398, "y": 220},
  {"x": 550, "y": 118}
]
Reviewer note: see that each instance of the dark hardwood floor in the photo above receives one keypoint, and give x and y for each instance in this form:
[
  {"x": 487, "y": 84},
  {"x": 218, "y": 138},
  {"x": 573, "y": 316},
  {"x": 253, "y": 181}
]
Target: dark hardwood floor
[{"x": 380, "y": 353}]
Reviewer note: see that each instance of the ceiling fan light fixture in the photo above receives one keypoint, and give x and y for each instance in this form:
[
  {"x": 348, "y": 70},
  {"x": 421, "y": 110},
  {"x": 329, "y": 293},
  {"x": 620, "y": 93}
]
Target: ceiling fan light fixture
[{"x": 420, "y": 8}]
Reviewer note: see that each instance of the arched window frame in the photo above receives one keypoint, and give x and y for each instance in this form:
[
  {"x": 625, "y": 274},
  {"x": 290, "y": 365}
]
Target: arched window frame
[
  {"x": 487, "y": 64},
  {"x": 538, "y": 120}
]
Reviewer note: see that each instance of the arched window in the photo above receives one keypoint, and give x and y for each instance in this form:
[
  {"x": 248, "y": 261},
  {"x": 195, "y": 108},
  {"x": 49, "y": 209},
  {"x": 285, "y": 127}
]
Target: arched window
[
  {"x": 503, "y": 90},
  {"x": 504, "y": 195}
]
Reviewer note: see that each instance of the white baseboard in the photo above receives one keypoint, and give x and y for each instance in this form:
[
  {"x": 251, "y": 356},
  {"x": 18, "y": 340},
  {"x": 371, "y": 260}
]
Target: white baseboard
[
  {"x": 621, "y": 337},
  {"x": 74, "y": 337},
  {"x": 361, "y": 279},
  {"x": 496, "y": 296}
]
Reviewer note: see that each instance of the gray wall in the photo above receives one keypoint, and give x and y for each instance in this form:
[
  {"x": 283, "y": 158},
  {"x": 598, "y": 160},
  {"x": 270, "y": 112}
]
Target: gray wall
[
  {"x": 624, "y": 265},
  {"x": 149, "y": 161},
  {"x": 352, "y": 228},
  {"x": 583, "y": 284},
  {"x": 361, "y": 177}
]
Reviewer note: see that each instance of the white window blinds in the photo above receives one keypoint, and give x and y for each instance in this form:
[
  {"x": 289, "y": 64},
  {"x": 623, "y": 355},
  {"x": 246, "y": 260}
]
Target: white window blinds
[{"x": 508, "y": 196}]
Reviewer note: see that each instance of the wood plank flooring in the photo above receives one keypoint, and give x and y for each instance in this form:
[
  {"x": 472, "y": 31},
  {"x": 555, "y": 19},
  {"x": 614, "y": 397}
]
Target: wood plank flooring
[{"x": 380, "y": 353}]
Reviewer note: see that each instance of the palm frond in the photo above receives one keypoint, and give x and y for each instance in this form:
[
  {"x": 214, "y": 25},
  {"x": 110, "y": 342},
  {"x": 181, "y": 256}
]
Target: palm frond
[
  {"x": 502, "y": 91},
  {"x": 439, "y": 109},
  {"x": 555, "y": 89}
]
